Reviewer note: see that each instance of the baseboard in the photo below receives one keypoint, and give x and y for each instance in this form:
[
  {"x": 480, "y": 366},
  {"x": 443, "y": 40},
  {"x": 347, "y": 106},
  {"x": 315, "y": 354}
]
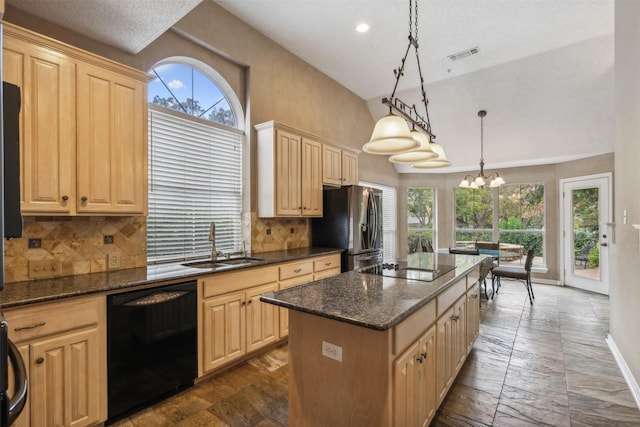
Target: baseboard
[{"x": 626, "y": 372}]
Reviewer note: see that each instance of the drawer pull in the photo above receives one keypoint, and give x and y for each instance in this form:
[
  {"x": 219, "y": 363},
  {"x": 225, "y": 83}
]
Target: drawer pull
[
  {"x": 297, "y": 270},
  {"x": 327, "y": 264},
  {"x": 455, "y": 318},
  {"x": 35, "y": 325},
  {"x": 40, "y": 360}
]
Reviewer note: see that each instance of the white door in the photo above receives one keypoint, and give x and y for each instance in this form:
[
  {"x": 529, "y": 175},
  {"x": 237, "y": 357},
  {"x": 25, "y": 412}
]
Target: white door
[{"x": 586, "y": 231}]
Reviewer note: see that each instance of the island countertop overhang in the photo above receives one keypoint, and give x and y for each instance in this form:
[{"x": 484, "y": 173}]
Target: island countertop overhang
[{"x": 368, "y": 300}]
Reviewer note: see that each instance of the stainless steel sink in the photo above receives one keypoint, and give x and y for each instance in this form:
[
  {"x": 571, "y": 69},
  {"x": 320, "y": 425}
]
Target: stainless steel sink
[
  {"x": 223, "y": 262},
  {"x": 237, "y": 261}
]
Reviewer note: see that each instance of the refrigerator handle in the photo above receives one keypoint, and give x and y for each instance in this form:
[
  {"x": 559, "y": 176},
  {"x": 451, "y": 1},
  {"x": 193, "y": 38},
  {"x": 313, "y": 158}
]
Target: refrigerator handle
[{"x": 375, "y": 219}]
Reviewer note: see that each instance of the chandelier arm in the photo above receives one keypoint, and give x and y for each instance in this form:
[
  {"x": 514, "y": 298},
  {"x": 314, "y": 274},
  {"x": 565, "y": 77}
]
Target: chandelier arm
[{"x": 399, "y": 72}]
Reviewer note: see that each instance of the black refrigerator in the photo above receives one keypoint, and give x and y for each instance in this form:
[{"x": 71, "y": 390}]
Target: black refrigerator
[
  {"x": 10, "y": 226},
  {"x": 351, "y": 221}
]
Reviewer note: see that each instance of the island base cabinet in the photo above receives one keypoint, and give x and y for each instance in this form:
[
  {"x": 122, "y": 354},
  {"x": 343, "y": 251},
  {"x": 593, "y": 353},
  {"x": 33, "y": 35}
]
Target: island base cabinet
[
  {"x": 414, "y": 394},
  {"x": 327, "y": 392},
  {"x": 452, "y": 346}
]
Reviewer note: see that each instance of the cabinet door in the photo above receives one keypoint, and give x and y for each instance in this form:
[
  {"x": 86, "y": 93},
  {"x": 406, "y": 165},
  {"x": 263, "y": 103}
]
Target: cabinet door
[
  {"x": 473, "y": 315},
  {"x": 445, "y": 353},
  {"x": 262, "y": 318},
  {"x": 426, "y": 385},
  {"x": 284, "y": 312},
  {"x": 332, "y": 166},
  {"x": 65, "y": 385},
  {"x": 288, "y": 173},
  {"x": 112, "y": 143},
  {"x": 47, "y": 126},
  {"x": 349, "y": 168},
  {"x": 311, "y": 178},
  {"x": 460, "y": 333},
  {"x": 223, "y": 329},
  {"x": 405, "y": 380}
]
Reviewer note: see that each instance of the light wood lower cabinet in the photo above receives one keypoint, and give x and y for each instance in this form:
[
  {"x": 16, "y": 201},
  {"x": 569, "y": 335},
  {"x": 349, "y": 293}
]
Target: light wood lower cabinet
[
  {"x": 63, "y": 345},
  {"x": 233, "y": 321}
]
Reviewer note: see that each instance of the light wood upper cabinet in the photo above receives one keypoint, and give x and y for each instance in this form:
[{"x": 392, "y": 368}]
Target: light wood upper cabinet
[
  {"x": 311, "y": 178},
  {"x": 332, "y": 165},
  {"x": 83, "y": 142},
  {"x": 289, "y": 173},
  {"x": 349, "y": 168},
  {"x": 112, "y": 142},
  {"x": 47, "y": 124},
  {"x": 340, "y": 166}
]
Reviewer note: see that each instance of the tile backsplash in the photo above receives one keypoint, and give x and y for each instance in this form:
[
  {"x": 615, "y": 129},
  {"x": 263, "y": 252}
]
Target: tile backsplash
[{"x": 79, "y": 242}]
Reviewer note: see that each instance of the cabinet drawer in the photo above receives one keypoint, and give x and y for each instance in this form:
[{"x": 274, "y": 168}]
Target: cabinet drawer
[
  {"x": 326, "y": 273},
  {"x": 410, "y": 329},
  {"x": 52, "y": 318},
  {"x": 295, "y": 269},
  {"x": 221, "y": 283},
  {"x": 326, "y": 262},
  {"x": 448, "y": 297}
]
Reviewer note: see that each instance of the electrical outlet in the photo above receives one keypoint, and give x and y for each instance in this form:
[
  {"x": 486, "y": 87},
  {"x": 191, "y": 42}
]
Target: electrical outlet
[
  {"x": 332, "y": 351},
  {"x": 113, "y": 261}
]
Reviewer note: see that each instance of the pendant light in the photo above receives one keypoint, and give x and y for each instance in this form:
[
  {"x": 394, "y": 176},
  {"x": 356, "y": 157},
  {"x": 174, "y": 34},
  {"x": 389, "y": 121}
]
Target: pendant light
[
  {"x": 494, "y": 179},
  {"x": 391, "y": 134}
]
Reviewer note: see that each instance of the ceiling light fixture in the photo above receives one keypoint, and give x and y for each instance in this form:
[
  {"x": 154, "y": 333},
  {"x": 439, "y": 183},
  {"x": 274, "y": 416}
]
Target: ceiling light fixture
[
  {"x": 494, "y": 179},
  {"x": 391, "y": 133}
]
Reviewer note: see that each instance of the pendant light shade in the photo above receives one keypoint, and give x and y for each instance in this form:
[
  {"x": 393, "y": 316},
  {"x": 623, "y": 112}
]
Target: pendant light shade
[
  {"x": 439, "y": 162},
  {"x": 390, "y": 136},
  {"x": 422, "y": 153}
]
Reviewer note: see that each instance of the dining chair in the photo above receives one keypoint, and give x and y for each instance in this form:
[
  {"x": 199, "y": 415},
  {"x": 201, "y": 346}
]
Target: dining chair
[
  {"x": 493, "y": 249},
  {"x": 427, "y": 246},
  {"x": 517, "y": 274}
]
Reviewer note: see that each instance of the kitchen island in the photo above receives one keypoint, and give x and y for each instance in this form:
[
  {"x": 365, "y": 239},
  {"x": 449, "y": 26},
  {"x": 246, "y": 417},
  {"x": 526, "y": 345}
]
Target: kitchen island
[{"x": 371, "y": 350}]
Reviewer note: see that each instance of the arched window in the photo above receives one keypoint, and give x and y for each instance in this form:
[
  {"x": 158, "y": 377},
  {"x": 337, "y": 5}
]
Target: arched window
[{"x": 195, "y": 162}]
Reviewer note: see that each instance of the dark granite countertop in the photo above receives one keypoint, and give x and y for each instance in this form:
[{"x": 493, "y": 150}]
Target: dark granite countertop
[
  {"x": 43, "y": 290},
  {"x": 369, "y": 300}
]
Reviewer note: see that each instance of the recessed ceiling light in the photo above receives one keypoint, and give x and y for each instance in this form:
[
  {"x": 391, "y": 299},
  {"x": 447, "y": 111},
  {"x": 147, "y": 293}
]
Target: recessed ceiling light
[{"x": 362, "y": 28}]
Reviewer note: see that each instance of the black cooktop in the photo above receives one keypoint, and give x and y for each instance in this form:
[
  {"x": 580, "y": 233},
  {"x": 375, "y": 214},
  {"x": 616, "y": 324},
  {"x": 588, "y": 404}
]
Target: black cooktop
[{"x": 424, "y": 267}]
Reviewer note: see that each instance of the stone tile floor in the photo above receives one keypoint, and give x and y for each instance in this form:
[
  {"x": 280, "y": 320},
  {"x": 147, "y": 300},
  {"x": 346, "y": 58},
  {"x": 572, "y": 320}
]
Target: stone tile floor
[{"x": 541, "y": 365}]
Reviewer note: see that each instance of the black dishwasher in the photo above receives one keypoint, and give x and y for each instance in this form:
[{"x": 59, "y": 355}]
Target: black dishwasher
[{"x": 151, "y": 345}]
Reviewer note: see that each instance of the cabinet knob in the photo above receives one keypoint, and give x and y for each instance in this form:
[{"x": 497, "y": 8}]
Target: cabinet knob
[
  {"x": 83, "y": 199},
  {"x": 40, "y": 360},
  {"x": 424, "y": 355},
  {"x": 455, "y": 318},
  {"x": 250, "y": 301},
  {"x": 65, "y": 198}
]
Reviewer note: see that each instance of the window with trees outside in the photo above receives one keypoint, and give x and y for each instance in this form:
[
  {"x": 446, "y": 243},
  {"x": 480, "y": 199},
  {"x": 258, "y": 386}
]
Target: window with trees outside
[
  {"x": 420, "y": 219},
  {"x": 511, "y": 214},
  {"x": 195, "y": 164}
]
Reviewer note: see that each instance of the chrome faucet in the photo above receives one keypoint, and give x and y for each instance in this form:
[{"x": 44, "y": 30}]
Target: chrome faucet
[{"x": 212, "y": 238}]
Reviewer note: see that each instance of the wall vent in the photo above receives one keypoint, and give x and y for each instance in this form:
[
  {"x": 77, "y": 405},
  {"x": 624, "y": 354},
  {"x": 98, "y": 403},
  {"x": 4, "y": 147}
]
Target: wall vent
[{"x": 464, "y": 53}]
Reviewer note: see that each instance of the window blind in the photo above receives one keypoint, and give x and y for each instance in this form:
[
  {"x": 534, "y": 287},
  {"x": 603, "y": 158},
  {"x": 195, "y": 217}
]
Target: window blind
[{"x": 195, "y": 178}]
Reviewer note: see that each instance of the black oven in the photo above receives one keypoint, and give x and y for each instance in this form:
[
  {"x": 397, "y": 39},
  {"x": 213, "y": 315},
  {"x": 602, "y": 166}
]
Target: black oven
[{"x": 151, "y": 346}]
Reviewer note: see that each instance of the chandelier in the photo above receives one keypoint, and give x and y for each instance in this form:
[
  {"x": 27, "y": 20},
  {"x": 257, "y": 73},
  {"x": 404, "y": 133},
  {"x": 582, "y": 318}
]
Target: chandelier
[
  {"x": 391, "y": 134},
  {"x": 494, "y": 179}
]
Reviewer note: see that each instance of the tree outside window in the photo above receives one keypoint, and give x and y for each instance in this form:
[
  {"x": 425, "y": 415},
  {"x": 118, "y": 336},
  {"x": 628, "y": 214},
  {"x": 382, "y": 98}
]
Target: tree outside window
[
  {"x": 420, "y": 218},
  {"x": 511, "y": 214},
  {"x": 473, "y": 215}
]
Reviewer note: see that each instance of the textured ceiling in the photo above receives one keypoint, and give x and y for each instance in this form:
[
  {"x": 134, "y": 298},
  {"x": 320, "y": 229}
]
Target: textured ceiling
[
  {"x": 544, "y": 70},
  {"x": 129, "y": 25}
]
